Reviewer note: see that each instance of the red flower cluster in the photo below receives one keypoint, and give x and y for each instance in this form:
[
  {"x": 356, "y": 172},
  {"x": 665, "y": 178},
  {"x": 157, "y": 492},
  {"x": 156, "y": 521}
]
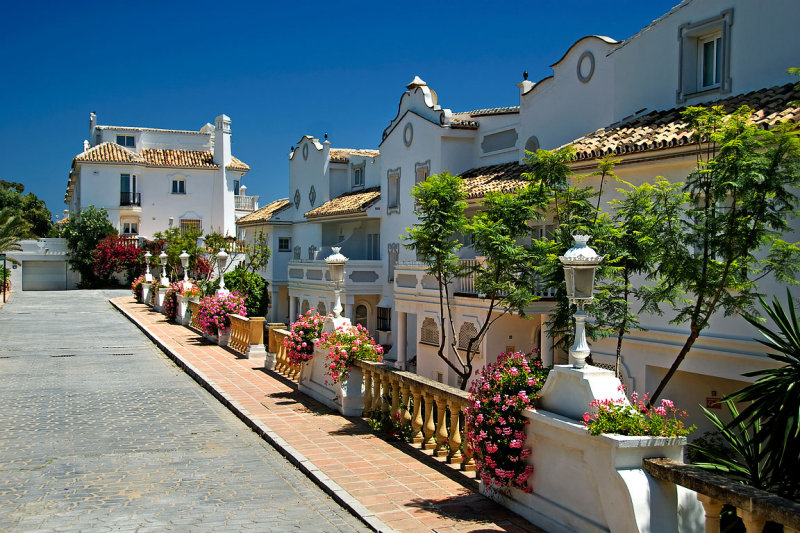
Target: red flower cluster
[
  {"x": 345, "y": 345},
  {"x": 136, "y": 287},
  {"x": 115, "y": 254},
  {"x": 302, "y": 336},
  {"x": 495, "y": 425},
  {"x": 171, "y": 299}
]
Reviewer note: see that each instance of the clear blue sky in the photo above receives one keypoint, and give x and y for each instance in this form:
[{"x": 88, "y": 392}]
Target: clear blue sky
[{"x": 280, "y": 70}]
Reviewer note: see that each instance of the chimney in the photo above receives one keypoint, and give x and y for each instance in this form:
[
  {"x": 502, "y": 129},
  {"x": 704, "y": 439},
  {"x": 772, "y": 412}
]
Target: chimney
[
  {"x": 222, "y": 140},
  {"x": 92, "y": 126}
]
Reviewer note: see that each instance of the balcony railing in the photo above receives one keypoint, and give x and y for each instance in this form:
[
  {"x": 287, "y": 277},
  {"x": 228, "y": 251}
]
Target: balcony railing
[
  {"x": 130, "y": 198},
  {"x": 246, "y": 203}
]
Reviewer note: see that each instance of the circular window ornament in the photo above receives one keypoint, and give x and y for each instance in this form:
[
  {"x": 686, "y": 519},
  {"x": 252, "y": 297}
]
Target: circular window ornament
[
  {"x": 305, "y": 151},
  {"x": 585, "y": 66},
  {"x": 408, "y": 134},
  {"x": 312, "y": 196},
  {"x": 297, "y": 198}
]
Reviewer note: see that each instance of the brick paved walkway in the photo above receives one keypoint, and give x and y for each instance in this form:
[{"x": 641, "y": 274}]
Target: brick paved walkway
[{"x": 392, "y": 487}]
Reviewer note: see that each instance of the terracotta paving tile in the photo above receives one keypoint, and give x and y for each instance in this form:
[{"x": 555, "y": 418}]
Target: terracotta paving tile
[{"x": 407, "y": 494}]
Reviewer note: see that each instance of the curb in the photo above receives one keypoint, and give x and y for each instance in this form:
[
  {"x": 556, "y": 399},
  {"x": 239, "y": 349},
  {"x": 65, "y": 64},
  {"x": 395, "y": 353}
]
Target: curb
[{"x": 330, "y": 487}]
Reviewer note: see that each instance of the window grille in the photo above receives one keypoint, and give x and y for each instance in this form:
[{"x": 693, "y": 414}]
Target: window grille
[{"x": 430, "y": 332}]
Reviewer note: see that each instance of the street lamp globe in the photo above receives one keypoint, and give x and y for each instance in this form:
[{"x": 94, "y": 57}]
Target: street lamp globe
[
  {"x": 336, "y": 262},
  {"x": 222, "y": 260}
]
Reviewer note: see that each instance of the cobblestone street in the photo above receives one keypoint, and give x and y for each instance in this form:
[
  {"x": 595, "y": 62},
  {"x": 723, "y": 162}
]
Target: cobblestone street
[{"x": 100, "y": 431}]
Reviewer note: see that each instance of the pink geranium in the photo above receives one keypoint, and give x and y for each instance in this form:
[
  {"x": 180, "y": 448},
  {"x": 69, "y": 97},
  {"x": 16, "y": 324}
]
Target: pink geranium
[
  {"x": 302, "y": 336},
  {"x": 345, "y": 345}
]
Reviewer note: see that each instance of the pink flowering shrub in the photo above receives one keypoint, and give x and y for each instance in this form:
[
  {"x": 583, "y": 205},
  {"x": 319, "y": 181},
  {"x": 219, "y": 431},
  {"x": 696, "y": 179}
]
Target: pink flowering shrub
[
  {"x": 345, "y": 345},
  {"x": 136, "y": 287},
  {"x": 171, "y": 299},
  {"x": 636, "y": 419},
  {"x": 302, "y": 335},
  {"x": 214, "y": 310},
  {"x": 495, "y": 425}
]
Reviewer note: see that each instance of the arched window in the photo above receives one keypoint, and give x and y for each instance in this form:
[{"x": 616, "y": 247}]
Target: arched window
[
  {"x": 321, "y": 309},
  {"x": 305, "y": 307},
  {"x": 361, "y": 314},
  {"x": 465, "y": 334},
  {"x": 430, "y": 332}
]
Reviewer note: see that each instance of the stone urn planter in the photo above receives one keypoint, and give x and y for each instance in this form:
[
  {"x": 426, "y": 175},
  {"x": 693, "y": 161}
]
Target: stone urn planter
[
  {"x": 183, "y": 316},
  {"x": 162, "y": 292}
]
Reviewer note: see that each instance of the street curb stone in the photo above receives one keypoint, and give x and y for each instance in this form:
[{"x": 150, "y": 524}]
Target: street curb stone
[{"x": 341, "y": 496}]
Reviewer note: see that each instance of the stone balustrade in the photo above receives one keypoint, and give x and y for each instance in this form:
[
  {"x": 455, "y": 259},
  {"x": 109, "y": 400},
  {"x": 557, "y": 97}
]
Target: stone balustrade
[
  {"x": 193, "y": 311},
  {"x": 754, "y": 506},
  {"x": 434, "y": 411},
  {"x": 247, "y": 336},
  {"x": 282, "y": 363}
]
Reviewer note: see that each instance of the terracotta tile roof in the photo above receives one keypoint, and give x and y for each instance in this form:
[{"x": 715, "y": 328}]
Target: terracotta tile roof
[
  {"x": 348, "y": 203},
  {"x": 342, "y": 155},
  {"x": 661, "y": 130},
  {"x": 265, "y": 213},
  {"x": 108, "y": 152},
  {"x": 490, "y": 111},
  {"x": 505, "y": 177},
  {"x": 127, "y": 128}
]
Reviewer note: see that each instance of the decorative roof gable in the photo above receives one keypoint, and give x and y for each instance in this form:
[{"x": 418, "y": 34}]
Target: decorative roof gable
[
  {"x": 264, "y": 214},
  {"x": 346, "y": 204}
]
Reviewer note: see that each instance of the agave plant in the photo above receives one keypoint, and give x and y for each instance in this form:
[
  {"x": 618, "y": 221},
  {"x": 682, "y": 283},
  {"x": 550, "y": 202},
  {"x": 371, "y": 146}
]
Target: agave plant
[{"x": 774, "y": 411}]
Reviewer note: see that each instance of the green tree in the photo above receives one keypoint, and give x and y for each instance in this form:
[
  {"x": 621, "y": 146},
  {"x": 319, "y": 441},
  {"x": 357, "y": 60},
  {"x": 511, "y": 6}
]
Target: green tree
[
  {"x": 13, "y": 228},
  {"x": 176, "y": 242},
  {"x": 741, "y": 196},
  {"x": 258, "y": 253},
  {"x": 83, "y": 233},
  {"x": 31, "y": 208}
]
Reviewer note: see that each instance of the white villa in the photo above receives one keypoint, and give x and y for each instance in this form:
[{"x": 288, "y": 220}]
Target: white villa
[
  {"x": 150, "y": 179},
  {"x": 603, "y": 96}
]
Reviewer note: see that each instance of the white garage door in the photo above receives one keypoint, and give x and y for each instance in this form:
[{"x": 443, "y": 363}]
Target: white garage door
[{"x": 44, "y": 275}]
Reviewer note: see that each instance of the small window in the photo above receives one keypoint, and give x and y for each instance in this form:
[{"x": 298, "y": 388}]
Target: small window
[
  {"x": 284, "y": 244},
  {"x": 312, "y": 252},
  {"x": 422, "y": 171},
  {"x": 709, "y": 62},
  {"x": 430, "y": 332},
  {"x": 191, "y": 224},
  {"x": 384, "y": 319},
  {"x": 468, "y": 332},
  {"x": 130, "y": 228},
  {"x": 127, "y": 141},
  {"x": 358, "y": 177},
  {"x": 296, "y": 253},
  {"x": 393, "y": 200},
  {"x": 361, "y": 315},
  {"x": 236, "y": 187},
  {"x": 374, "y": 246},
  {"x": 179, "y": 186}
]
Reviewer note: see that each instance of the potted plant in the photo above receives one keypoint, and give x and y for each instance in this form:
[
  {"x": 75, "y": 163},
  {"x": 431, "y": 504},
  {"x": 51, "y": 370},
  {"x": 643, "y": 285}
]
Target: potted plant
[{"x": 213, "y": 315}]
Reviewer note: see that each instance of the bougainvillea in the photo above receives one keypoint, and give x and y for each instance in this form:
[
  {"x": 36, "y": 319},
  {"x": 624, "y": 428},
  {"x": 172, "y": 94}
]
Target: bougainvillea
[
  {"x": 615, "y": 416},
  {"x": 495, "y": 424},
  {"x": 136, "y": 287},
  {"x": 302, "y": 336},
  {"x": 115, "y": 254},
  {"x": 154, "y": 291},
  {"x": 345, "y": 345},
  {"x": 214, "y": 311}
]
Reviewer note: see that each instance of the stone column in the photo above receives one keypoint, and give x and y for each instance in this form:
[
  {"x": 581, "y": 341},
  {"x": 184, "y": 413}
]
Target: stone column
[
  {"x": 402, "y": 335},
  {"x": 292, "y": 309}
]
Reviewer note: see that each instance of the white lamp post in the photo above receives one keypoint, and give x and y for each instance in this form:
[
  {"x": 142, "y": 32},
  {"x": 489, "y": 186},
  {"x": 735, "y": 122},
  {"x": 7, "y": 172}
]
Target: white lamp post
[
  {"x": 148, "y": 277},
  {"x": 336, "y": 262},
  {"x": 184, "y": 257},
  {"x": 163, "y": 257},
  {"x": 580, "y": 263},
  {"x": 222, "y": 260}
]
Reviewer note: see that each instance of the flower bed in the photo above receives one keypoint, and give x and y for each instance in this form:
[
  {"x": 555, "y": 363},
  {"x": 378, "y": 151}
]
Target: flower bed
[
  {"x": 345, "y": 345},
  {"x": 636, "y": 419},
  {"x": 213, "y": 312},
  {"x": 302, "y": 335},
  {"x": 495, "y": 425}
]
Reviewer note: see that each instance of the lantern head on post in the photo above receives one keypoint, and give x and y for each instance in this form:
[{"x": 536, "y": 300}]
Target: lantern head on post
[
  {"x": 162, "y": 257},
  {"x": 336, "y": 262},
  {"x": 580, "y": 263},
  {"x": 222, "y": 260},
  {"x": 148, "y": 277},
  {"x": 184, "y": 257}
]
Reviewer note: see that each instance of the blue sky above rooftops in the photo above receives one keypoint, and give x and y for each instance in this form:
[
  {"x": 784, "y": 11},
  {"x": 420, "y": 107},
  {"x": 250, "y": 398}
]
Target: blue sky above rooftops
[{"x": 280, "y": 70}]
